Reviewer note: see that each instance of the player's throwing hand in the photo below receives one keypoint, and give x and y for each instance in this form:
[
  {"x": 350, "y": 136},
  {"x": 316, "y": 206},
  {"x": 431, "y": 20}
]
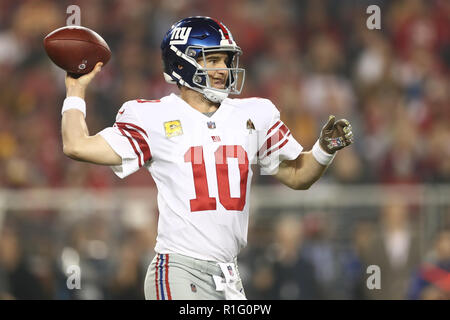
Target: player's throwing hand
[
  {"x": 77, "y": 86},
  {"x": 335, "y": 135}
]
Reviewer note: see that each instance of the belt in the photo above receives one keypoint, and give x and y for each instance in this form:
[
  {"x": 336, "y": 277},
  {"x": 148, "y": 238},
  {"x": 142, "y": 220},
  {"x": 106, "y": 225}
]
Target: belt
[{"x": 209, "y": 267}]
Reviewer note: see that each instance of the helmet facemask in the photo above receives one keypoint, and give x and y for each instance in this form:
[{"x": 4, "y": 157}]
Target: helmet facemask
[{"x": 235, "y": 75}]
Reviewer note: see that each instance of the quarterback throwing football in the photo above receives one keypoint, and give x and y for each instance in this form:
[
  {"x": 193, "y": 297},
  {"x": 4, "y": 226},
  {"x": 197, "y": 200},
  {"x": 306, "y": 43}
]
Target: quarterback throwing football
[{"x": 198, "y": 146}]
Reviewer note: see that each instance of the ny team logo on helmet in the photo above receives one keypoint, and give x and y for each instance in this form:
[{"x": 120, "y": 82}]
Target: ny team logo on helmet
[{"x": 192, "y": 39}]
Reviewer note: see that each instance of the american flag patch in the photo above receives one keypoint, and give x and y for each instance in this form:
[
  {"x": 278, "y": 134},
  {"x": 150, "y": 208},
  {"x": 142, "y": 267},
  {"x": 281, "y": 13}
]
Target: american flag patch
[
  {"x": 230, "y": 270},
  {"x": 215, "y": 138},
  {"x": 336, "y": 142}
]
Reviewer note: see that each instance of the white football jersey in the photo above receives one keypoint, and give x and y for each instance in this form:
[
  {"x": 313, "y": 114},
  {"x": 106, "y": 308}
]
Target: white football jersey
[{"x": 201, "y": 167}]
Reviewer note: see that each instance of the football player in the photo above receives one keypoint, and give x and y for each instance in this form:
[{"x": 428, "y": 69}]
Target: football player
[{"x": 198, "y": 146}]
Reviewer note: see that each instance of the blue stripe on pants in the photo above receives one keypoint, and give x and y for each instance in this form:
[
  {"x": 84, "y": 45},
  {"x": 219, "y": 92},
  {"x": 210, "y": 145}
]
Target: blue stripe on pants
[{"x": 161, "y": 279}]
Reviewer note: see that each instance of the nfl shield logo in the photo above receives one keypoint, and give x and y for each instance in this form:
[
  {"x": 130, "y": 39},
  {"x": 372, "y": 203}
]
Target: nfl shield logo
[
  {"x": 211, "y": 125},
  {"x": 193, "y": 288},
  {"x": 230, "y": 270}
]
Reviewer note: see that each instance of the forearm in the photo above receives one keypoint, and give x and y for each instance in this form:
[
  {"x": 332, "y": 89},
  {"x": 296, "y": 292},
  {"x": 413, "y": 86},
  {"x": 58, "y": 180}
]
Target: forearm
[
  {"x": 73, "y": 125},
  {"x": 301, "y": 173},
  {"x": 308, "y": 171},
  {"x": 74, "y": 132}
]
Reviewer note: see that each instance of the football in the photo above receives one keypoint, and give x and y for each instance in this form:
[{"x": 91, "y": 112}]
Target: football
[{"x": 76, "y": 49}]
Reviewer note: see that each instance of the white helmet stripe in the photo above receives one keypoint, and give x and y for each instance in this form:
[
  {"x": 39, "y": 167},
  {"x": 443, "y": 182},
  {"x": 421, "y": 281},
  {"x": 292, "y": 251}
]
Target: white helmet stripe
[{"x": 185, "y": 57}]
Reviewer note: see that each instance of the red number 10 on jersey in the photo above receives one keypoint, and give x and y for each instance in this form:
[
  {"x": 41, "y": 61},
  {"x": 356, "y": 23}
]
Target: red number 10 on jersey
[{"x": 203, "y": 201}]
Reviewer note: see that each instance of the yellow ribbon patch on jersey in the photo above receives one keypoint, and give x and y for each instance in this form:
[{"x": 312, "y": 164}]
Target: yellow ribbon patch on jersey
[{"x": 173, "y": 128}]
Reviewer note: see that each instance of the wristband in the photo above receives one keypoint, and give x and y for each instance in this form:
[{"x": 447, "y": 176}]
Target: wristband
[
  {"x": 74, "y": 103},
  {"x": 322, "y": 157}
]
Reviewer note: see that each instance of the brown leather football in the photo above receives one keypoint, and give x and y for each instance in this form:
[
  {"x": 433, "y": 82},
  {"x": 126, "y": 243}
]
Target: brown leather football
[{"x": 76, "y": 49}]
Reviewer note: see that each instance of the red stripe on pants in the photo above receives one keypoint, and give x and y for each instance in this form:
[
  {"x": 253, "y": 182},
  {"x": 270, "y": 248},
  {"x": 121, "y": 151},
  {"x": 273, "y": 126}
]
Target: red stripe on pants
[{"x": 169, "y": 296}]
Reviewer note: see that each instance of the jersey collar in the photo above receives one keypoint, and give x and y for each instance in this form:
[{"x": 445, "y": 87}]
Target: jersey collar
[{"x": 221, "y": 111}]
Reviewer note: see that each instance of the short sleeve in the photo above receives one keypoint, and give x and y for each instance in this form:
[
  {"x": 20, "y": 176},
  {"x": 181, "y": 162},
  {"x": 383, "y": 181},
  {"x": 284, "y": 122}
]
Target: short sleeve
[
  {"x": 129, "y": 140},
  {"x": 276, "y": 144}
]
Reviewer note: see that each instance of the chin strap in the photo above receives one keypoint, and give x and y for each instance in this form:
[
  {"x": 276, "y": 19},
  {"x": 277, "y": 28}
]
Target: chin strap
[
  {"x": 214, "y": 96},
  {"x": 209, "y": 94}
]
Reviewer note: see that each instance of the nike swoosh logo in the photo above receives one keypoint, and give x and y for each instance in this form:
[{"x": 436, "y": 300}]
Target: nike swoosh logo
[{"x": 120, "y": 112}]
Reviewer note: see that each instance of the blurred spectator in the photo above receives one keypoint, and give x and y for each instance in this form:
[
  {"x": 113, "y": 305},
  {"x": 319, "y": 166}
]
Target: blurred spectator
[
  {"x": 353, "y": 274},
  {"x": 127, "y": 280},
  {"x": 348, "y": 167},
  {"x": 321, "y": 251},
  {"x": 394, "y": 248},
  {"x": 432, "y": 279},
  {"x": 294, "y": 275},
  {"x": 18, "y": 277}
]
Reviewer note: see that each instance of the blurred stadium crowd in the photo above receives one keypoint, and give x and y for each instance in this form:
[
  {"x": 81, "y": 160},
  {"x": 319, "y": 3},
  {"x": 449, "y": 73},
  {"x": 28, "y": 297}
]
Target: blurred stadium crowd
[{"x": 311, "y": 58}]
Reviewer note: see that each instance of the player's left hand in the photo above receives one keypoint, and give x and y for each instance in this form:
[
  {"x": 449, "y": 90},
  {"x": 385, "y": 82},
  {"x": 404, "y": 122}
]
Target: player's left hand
[{"x": 335, "y": 135}]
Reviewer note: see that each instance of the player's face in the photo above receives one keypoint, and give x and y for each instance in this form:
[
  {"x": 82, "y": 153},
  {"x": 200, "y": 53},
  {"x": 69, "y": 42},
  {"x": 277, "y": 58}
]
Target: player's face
[{"x": 217, "y": 78}]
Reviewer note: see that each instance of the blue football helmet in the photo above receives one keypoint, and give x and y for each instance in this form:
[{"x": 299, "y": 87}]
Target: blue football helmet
[{"x": 192, "y": 39}]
